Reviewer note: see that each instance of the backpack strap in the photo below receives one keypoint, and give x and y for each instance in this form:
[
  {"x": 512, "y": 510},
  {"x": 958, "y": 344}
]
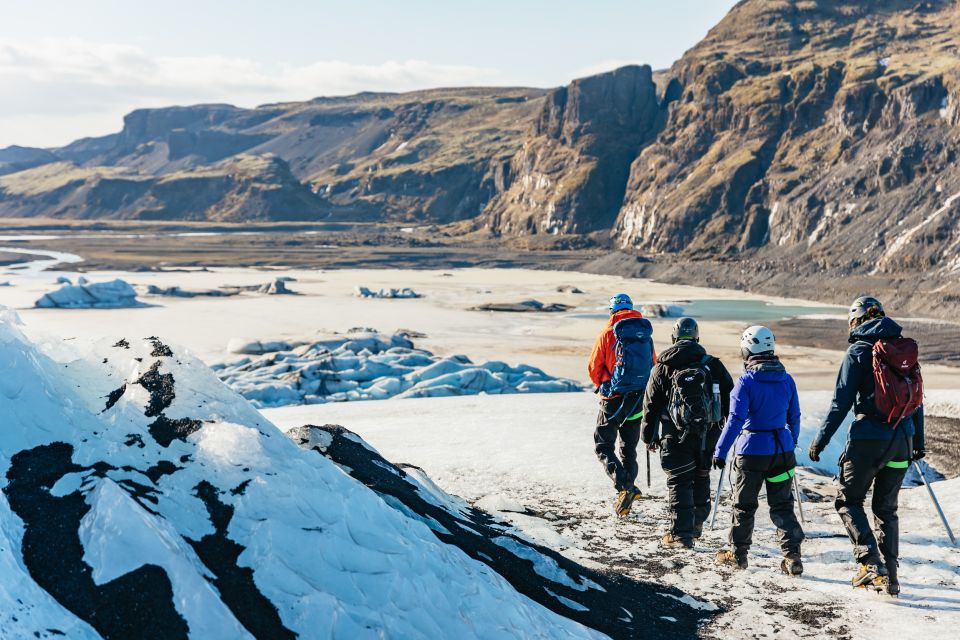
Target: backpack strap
[{"x": 705, "y": 365}]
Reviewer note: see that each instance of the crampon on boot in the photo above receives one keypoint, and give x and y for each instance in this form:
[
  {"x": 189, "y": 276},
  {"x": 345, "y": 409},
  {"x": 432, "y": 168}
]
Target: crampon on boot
[
  {"x": 670, "y": 540},
  {"x": 625, "y": 501},
  {"x": 730, "y": 558},
  {"x": 871, "y": 576},
  {"x": 792, "y": 564}
]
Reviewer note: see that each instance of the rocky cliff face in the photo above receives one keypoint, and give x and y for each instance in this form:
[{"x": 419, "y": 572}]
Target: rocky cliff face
[
  {"x": 570, "y": 173},
  {"x": 825, "y": 129}
]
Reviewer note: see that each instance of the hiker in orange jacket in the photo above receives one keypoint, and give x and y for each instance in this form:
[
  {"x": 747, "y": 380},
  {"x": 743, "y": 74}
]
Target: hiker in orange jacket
[{"x": 619, "y": 367}]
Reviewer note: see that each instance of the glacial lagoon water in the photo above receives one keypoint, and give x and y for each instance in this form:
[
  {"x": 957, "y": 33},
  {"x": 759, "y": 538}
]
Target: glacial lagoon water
[{"x": 735, "y": 310}]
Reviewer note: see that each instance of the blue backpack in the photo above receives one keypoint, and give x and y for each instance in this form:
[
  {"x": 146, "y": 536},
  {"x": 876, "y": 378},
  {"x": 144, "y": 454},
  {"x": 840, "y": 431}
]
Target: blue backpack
[{"x": 634, "y": 355}]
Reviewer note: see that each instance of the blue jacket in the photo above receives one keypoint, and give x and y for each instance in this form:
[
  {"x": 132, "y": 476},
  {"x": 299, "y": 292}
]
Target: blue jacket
[
  {"x": 765, "y": 406},
  {"x": 855, "y": 388}
]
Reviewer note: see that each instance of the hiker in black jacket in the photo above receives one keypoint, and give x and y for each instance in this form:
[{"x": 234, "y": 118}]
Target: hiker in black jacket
[
  {"x": 685, "y": 453},
  {"x": 878, "y": 451}
]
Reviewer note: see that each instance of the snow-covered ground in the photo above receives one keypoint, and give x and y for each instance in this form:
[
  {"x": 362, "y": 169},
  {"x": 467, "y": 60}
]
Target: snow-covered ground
[
  {"x": 532, "y": 457},
  {"x": 139, "y": 490}
]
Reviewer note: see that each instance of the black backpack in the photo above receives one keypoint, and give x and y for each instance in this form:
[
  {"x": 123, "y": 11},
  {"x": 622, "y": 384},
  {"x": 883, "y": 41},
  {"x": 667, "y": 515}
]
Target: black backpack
[{"x": 693, "y": 405}]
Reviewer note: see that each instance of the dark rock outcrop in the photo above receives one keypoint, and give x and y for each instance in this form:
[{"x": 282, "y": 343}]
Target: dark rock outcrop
[{"x": 570, "y": 175}]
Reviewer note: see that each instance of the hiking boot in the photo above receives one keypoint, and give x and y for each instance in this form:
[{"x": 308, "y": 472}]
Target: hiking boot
[
  {"x": 730, "y": 558},
  {"x": 872, "y": 576},
  {"x": 697, "y": 531},
  {"x": 670, "y": 540},
  {"x": 893, "y": 582},
  {"x": 792, "y": 565},
  {"x": 625, "y": 501},
  {"x": 893, "y": 586}
]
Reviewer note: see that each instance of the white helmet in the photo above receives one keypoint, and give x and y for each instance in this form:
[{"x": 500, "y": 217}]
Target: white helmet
[{"x": 755, "y": 340}]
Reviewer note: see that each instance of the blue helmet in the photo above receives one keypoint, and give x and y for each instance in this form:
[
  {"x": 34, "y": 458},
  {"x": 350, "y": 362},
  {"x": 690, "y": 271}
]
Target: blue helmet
[{"x": 620, "y": 302}]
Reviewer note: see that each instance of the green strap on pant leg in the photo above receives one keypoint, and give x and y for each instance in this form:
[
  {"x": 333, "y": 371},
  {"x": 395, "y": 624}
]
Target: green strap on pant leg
[
  {"x": 899, "y": 464},
  {"x": 786, "y": 475},
  {"x": 635, "y": 416}
]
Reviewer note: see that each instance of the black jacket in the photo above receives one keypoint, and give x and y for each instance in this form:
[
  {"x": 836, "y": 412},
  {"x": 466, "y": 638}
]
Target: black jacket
[
  {"x": 855, "y": 389},
  {"x": 682, "y": 355}
]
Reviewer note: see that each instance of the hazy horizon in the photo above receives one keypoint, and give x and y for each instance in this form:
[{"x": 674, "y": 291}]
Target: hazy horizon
[{"x": 73, "y": 70}]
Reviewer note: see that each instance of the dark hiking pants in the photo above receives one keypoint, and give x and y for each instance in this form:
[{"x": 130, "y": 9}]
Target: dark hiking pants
[
  {"x": 882, "y": 465},
  {"x": 620, "y": 462},
  {"x": 776, "y": 472},
  {"x": 687, "y": 468}
]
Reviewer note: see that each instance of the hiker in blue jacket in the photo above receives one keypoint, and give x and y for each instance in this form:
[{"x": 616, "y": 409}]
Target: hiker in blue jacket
[
  {"x": 878, "y": 451},
  {"x": 764, "y": 421}
]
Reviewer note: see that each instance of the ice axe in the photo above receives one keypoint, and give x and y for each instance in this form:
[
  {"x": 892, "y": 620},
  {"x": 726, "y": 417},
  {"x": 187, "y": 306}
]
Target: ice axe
[
  {"x": 796, "y": 487},
  {"x": 716, "y": 499},
  {"x": 936, "y": 503}
]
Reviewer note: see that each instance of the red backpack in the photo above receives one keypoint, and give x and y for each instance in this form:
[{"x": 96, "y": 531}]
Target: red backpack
[{"x": 896, "y": 375}]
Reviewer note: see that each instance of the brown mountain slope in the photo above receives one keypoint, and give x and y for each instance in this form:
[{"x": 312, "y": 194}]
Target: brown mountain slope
[
  {"x": 826, "y": 129},
  {"x": 240, "y": 188},
  {"x": 436, "y": 155}
]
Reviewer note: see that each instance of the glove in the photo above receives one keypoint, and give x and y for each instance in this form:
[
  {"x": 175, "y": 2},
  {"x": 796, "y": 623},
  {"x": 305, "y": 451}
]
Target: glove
[
  {"x": 918, "y": 454},
  {"x": 719, "y": 463},
  {"x": 814, "y": 453}
]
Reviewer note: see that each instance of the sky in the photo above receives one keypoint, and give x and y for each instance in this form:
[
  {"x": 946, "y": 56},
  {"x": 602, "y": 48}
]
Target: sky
[{"x": 71, "y": 68}]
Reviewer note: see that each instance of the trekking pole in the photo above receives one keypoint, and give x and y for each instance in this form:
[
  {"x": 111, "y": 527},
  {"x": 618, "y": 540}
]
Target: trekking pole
[
  {"x": 730, "y": 475},
  {"x": 648, "y": 468},
  {"x": 796, "y": 487},
  {"x": 716, "y": 499},
  {"x": 936, "y": 503}
]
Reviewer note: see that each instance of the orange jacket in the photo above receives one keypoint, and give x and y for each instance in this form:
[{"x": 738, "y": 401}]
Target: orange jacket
[{"x": 603, "y": 359}]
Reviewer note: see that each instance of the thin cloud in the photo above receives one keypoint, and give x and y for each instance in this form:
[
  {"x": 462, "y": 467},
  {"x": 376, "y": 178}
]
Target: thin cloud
[{"x": 52, "y": 87}]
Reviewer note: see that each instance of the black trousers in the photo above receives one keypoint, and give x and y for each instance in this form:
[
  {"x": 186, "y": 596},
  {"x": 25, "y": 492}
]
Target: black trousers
[
  {"x": 753, "y": 472},
  {"x": 619, "y": 461},
  {"x": 687, "y": 467},
  {"x": 862, "y": 465}
]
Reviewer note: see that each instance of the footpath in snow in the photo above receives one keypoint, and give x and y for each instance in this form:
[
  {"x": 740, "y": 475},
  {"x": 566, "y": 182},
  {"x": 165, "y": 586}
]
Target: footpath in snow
[{"x": 531, "y": 459}]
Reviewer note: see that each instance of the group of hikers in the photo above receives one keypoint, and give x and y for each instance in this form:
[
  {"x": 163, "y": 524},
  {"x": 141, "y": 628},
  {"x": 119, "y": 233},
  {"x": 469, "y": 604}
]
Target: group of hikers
[{"x": 684, "y": 404}]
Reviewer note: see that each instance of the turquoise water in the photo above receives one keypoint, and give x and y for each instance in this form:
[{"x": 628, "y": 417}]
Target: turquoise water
[
  {"x": 756, "y": 311},
  {"x": 750, "y": 310}
]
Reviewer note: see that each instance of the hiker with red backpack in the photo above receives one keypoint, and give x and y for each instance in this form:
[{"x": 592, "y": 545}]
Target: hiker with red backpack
[
  {"x": 619, "y": 367},
  {"x": 685, "y": 405},
  {"x": 880, "y": 380}
]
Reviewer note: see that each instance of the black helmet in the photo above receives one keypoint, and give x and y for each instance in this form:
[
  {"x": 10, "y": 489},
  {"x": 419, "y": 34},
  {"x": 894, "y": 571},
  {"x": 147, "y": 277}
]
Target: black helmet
[
  {"x": 685, "y": 329},
  {"x": 864, "y": 308}
]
